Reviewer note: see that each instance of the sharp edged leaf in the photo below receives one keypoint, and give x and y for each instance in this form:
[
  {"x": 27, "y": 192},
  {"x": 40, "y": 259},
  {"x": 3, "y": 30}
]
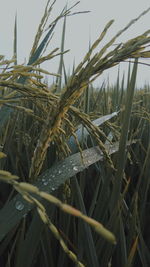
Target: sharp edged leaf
[
  {"x": 59, "y": 81},
  {"x": 124, "y": 134},
  {"x": 72, "y": 144},
  {"x": 29, "y": 246},
  {"x": 41, "y": 47},
  {"x": 85, "y": 229},
  {"x": 63, "y": 170},
  {"x": 15, "y": 40},
  {"x": 49, "y": 181}
]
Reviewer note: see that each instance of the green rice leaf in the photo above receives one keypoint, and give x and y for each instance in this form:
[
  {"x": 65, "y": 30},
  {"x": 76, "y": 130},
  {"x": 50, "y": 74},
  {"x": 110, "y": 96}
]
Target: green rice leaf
[
  {"x": 79, "y": 133},
  {"x": 49, "y": 181}
]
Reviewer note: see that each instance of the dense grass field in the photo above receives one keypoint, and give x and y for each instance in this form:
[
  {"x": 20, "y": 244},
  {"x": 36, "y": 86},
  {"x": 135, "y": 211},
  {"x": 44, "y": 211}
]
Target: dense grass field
[{"x": 74, "y": 159}]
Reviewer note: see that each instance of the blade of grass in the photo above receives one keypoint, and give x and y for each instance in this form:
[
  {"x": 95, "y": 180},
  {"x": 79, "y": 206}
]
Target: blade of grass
[
  {"x": 50, "y": 180},
  {"x": 15, "y": 41},
  {"x": 72, "y": 144},
  {"x": 121, "y": 157},
  {"x": 89, "y": 249},
  {"x": 59, "y": 79},
  {"x": 27, "y": 250}
]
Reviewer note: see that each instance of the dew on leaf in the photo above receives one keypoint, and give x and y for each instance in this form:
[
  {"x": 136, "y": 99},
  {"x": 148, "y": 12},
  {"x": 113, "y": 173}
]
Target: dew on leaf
[{"x": 19, "y": 205}]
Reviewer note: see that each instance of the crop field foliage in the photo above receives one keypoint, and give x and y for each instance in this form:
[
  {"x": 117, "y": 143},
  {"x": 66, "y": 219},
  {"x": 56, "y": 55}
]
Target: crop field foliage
[{"x": 74, "y": 160}]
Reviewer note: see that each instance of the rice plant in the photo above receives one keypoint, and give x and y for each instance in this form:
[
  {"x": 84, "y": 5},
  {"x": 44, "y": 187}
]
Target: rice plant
[{"x": 74, "y": 161}]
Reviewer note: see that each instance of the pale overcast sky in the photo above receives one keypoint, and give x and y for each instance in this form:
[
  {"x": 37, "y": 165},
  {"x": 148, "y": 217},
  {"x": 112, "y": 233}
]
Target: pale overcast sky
[{"x": 80, "y": 28}]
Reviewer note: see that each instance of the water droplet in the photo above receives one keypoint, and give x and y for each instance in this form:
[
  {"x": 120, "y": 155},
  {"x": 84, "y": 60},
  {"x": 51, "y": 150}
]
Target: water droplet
[
  {"x": 59, "y": 171},
  {"x": 113, "y": 151},
  {"x": 45, "y": 183},
  {"x": 19, "y": 205},
  {"x": 75, "y": 168}
]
